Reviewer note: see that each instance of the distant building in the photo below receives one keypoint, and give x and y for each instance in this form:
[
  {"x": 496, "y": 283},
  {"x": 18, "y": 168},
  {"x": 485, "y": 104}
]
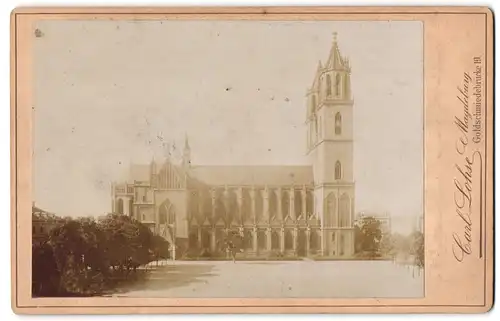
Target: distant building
[
  {"x": 419, "y": 224},
  {"x": 291, "y": 210},
  {"x": 384, "y": 219},
  {"x": 42, "y": 222}
]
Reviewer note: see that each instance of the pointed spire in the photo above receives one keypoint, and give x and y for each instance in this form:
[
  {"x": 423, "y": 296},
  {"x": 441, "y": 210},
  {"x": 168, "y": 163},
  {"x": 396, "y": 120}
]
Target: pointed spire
[
  {"x": 335, "y": 60},
  {"x": 186, "y": 155}
]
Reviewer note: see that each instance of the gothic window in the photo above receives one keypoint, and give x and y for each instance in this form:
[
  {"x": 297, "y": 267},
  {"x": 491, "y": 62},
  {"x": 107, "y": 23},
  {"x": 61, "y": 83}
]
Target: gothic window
[
  {"x": 342, "y": 244},
  {"x": 232, "y": 200},
  {"x": 275, "y": 240},
  {"x": 220, "y": 209},
  {"x": 338, "y": 124},
  {"x": 262, "y": 239},
  {"x": 301, "y": 242},
  {"x": 120, "y": 206},
  {"x": 344, "y": 205},
  {"x": 338, "y": 170},
  {"x": 248, "y": 239},
  {"x": 259, "y": 204},
  {"x": 315, "y": 242},
  {"x": 309, "y": 204},
  {"x": 205, "y": 239},
  {"x": 273, "y": 204},
  {"x": 297, "y": 203},
  {"x": 330, "y": 210},
  {"x": 285, "y": 204},
  {"x": 194, "y": 204},
  {"x": 328, "y": 85},
  {"x": 288, "y": 240},
  {"x": 313, "y": 102},
  {"x": 337, "y": 85},
  {"x": 167, "y": 213},
  {"x": 193, "y": 240}
]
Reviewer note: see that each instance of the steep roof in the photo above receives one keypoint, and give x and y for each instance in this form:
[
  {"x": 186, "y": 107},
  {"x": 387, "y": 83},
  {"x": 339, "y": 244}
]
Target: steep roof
[{"x": 253, "y": 175}]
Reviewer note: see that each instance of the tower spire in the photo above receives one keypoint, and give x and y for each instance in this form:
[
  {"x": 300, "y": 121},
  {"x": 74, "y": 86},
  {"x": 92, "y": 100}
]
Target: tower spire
[{"x": 186, "y": 154}]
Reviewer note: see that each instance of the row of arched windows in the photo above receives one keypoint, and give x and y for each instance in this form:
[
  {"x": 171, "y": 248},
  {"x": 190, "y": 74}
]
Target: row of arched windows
[
  {"x": 317, "y": 125},
  {"x": 337, "y": 214},
  {"x": 247, "y": 239},
  {"x": 226, "y": 207},
  {"x": 120, "y": 206},
  {"x": 329, "y": 86}
]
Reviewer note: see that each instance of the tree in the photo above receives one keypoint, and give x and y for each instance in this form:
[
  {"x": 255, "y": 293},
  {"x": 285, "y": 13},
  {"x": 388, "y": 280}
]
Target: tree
[
  {"x": 160, "y": 248},
  {"x": 45, "y": 274},
  {"x": 369, "y": 236},
  {"x": 387, "y": 245},
  {"x": 83, "y": 256},
  {"x": 417, "y": 248}
]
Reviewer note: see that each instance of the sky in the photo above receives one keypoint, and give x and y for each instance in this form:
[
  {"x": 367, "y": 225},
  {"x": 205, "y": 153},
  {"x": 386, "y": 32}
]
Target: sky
[{"x": 111, "y": 93}]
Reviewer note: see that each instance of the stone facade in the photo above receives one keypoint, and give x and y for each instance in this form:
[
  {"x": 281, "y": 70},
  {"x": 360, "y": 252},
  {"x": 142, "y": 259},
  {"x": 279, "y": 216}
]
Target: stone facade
[{"x": 278, "y": 210}]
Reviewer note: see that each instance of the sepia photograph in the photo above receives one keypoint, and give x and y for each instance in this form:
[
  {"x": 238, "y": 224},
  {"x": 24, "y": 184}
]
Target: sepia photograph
[{"x": 228, "y": 159}]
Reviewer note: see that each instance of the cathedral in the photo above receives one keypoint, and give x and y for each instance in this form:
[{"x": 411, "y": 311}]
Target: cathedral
[{"x": 279, "y": 211}]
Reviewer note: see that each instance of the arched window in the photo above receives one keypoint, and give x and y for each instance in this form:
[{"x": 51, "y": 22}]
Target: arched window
[
  {"x": 337, "y": 84},
  {"x": 275, "y": 240},
  {"x": 344, "y": 209},
  {"x": 315, "y": 242},
  {"x": 262, "y": 239},
  {"x": 167, "y": 213},
  {"x": 119, "y": 206},
  {"x": 330, "y": 211},
  {"x": 297, "y": 200},
  {"x": 313, "y": 103},
  {"x": 259, "y": 204},
  {"x": 338, "y": 124},
  {"x": 232, "y": 200},
  {"x": 288, "y": 240},
  {"x": 328, "y": 85},
  {"x": 309, "y": 204},
  {"x": 273, "y": 204},
  {"x": 338, "y": 170},
  {"x": 285, "y": 204},
  {"x": 246, "y": 205}
]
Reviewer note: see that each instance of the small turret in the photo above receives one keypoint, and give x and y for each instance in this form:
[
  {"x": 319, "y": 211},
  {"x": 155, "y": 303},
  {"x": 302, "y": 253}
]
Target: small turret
[{"x": 186, "y": 153}]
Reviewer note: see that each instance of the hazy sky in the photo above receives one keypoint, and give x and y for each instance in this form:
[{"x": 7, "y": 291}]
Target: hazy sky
[{"x": 106, "y": 90}]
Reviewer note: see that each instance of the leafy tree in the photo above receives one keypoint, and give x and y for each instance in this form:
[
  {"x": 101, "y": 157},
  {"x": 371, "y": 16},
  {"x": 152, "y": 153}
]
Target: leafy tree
[
  {"x": 369, "y": 235},
  {"x": 387, "y": 245},
  {"x": 45, "y": 274},
  {"x": 160, "y": 248},
  {"x": 83, "y": 256},
  {"x": 417, "y": 248}
]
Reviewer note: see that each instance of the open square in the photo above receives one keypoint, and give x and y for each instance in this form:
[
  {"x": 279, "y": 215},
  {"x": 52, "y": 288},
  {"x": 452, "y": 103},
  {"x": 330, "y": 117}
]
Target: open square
[{"x": 279, "y": 279}]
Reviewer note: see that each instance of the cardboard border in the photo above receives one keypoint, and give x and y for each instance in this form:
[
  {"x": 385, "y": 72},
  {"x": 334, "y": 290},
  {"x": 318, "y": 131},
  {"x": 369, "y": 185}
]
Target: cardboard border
[{"x": 246, "y": 305}]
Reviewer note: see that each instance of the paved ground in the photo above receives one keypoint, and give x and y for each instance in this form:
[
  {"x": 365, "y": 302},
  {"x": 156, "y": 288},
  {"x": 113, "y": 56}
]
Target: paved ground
[{"x": 292, "y": 279}]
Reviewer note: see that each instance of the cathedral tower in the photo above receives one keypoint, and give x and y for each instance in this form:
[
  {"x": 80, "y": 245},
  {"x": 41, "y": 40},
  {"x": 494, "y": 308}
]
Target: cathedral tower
[{"x": 330, "y": 146}]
